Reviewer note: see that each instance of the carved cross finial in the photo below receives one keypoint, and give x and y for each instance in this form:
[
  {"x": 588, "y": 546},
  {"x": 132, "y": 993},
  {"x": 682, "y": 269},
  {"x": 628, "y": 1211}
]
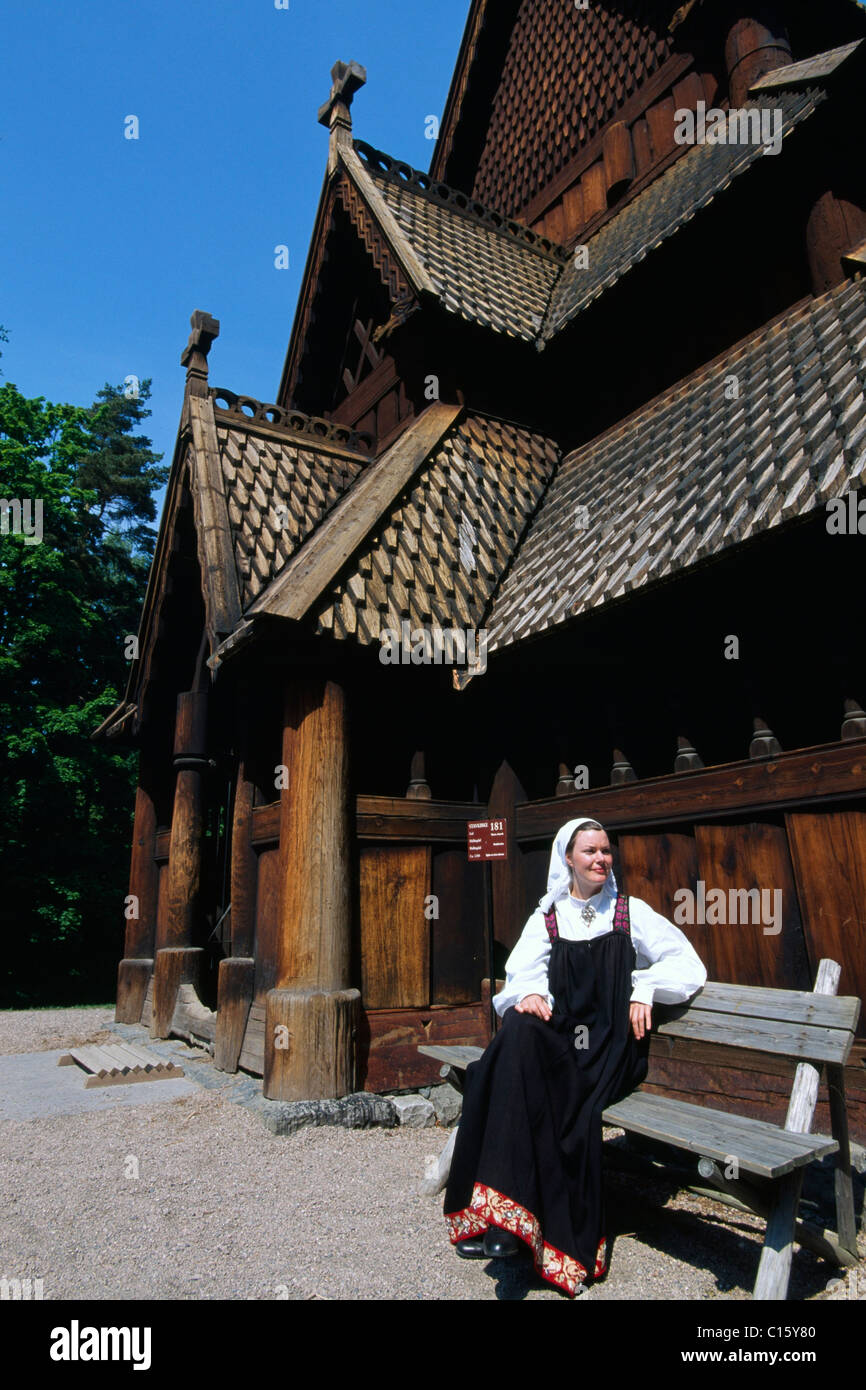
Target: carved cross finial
[
  {"x": 346, "y": 79},
  {"x": 194, "y": 356}
]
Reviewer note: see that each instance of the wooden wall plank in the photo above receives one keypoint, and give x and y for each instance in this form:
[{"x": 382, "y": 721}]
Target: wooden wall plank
[
  {"x": 457, "y": 951},
  {"x": 267, "y": 922},
  {"x": 749, "y": 856},
  {"x": 652, "y": 867},
  {"x": 388, "y": 1056},
  {"x": 828, "y": 849},
  {"x": 395, "y": 934}
]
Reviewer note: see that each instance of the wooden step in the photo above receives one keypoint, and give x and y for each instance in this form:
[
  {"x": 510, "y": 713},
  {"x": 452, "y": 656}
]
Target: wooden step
[{"x": 119, "y": 1063}]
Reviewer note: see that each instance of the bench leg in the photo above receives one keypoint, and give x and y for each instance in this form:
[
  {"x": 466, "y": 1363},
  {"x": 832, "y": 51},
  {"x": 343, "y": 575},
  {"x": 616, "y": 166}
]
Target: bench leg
[
  {"x": 774, "y": 1270},
  {"x": 845, "y": 1221}
]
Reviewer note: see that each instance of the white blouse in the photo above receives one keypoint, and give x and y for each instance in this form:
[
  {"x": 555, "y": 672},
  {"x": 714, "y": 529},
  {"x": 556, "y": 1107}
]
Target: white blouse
[{"x": 669, "y": 970}]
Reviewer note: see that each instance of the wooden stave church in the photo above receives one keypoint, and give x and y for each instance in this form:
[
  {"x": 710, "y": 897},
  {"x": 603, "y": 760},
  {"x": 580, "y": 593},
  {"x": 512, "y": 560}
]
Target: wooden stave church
[{"x": 323, "y": 795}]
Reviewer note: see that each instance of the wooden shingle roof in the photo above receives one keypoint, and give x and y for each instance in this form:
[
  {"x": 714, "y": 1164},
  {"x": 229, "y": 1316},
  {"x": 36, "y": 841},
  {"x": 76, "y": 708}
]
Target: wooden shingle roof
[
  {"x": 561, "y": 73},
  {"x": 278, "y": 488},
  {"x": 438, "y": 553},
  {"x": 656, "y": 214},
  {"x": 480, "y": 264},
  {"x": 764, "y": 434},
  {"x": 493, "y": 271}
]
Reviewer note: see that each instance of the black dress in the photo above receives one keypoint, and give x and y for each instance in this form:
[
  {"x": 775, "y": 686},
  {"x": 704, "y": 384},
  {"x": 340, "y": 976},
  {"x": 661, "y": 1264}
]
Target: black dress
[{"x": 527, "y": 1157}]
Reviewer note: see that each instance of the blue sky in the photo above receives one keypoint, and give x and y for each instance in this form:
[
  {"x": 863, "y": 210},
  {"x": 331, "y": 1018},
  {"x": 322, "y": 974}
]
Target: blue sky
[{"x": 108, "y": 244}]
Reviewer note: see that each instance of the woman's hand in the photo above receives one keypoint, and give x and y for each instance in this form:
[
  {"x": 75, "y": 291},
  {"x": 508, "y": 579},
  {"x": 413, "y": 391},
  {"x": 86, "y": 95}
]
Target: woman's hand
[
  {"x": 641, "y": 1019},
  {"x": 534, "y": 1004}
]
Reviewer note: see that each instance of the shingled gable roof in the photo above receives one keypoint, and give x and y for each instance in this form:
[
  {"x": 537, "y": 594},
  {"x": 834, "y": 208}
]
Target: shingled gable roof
[
  {"x": 433, "y": 243},
  {"x": 438, "y": 551},
  {"x": 424, "y": 535},
  {"x": 695, "y": 472},
  {"x": 261, "y": 479},
  {"x": 479, "y": 264},
  {"x": 429, "y": 243},
  {"x": 493, "y": 271},
  {"x": 657, "y": 213}
]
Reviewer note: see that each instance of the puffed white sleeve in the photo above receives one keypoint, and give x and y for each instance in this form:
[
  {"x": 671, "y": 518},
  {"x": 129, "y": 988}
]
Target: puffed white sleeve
[
  {"x": 526, "y": 967},
  {"x": 674, "y": 971}
]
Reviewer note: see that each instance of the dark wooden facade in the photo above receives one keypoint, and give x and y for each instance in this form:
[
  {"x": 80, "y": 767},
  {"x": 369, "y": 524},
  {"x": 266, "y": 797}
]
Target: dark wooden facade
[{"x": 454, "y": 392}]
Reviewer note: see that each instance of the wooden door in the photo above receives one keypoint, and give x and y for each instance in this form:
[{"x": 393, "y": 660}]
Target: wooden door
[{"x": 395, "y": 930}]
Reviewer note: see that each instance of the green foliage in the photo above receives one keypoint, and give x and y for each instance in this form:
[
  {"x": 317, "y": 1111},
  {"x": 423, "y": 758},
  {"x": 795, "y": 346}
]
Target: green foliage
[{"x": 66, "y": 604}]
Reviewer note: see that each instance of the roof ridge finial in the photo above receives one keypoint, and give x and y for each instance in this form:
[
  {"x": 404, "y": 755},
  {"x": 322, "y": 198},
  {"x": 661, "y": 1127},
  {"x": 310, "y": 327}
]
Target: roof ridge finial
[
  {"x": 346, "y": 79},
  {"x": 194, "y": 356}
]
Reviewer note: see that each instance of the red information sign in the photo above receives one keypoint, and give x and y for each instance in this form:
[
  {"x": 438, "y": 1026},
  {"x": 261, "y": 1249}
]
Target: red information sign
[{"x": 487, "y": 839}]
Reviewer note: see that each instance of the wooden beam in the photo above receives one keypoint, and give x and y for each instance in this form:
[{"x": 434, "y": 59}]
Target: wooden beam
[
  {"x": 402, "y": 249},
  {"x": 216, "y": 550},
  {"x": 302, "y": 580},
  {"x": 814, "y": 775},
  {"x": 381, "y": 818}
]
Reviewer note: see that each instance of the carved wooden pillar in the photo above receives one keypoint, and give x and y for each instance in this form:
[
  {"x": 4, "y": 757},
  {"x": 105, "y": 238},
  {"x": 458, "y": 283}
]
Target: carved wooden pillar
[
  {"x": 177, "y": 960},
  {"x": 136, "y": 968},
  {"x": 237, "y": 972},
  {"x": 757, "y": 42},
  {"x": 311, "y": 1016}
]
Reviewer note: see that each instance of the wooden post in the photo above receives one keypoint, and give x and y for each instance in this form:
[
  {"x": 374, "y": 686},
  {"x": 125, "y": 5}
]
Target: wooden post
[
  {"x": 835, "y": 225},
  {"x": 418, "y": 788},
  {"x": 854, "y": 723},
  {"x": 618, "y": 160},
  {"x": 177, "y": 960},
  {"x": 622, "y": 770},
  {"x": 764, "y": 743},
  {"x": 136, "y": 968},
  {"x": 237, "y": 971},
  {"x": 754, "y": 47},
  {"x": 688, "y": 759},
  {"x": 507, "y": 875},
  {"x": 565, "y": 785},
  {"x": 311, "y": 1015}
]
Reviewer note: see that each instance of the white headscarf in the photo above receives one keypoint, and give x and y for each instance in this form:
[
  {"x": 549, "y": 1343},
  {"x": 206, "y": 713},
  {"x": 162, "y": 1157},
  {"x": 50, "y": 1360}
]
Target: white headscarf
[{"x": 559, "y": 874}]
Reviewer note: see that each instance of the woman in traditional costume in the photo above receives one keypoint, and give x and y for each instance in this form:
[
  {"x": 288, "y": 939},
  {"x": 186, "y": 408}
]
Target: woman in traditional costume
[{"x": 576, "y": 1011}]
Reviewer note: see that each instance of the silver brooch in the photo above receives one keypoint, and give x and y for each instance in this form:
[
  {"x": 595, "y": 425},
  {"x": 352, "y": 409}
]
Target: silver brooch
[{"x": 587, "y": 912}]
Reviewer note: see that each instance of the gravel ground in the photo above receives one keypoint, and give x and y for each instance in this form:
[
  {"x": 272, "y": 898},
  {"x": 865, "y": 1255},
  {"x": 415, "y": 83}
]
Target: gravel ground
[{"x": 192, "y": 1198}]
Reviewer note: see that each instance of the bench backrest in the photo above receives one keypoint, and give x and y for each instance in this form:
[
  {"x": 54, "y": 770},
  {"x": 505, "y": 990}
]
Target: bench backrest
[{"x": 792, "y": 1023}]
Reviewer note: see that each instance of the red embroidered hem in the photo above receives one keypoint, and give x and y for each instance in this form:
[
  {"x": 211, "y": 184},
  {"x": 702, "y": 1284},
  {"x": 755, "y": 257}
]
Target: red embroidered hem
[{"x": 491, "y": 1208}]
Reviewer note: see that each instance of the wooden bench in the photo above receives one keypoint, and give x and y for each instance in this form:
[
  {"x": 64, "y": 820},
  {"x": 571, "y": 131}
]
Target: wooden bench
[{"x": 768, "y": 1161}]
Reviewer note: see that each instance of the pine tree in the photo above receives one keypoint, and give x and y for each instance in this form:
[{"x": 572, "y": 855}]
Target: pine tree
[{"x": 66, "y": 603}]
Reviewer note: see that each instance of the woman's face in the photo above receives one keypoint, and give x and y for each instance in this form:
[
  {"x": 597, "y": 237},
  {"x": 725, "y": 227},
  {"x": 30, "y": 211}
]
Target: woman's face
[{"x": 591, "y": 860}]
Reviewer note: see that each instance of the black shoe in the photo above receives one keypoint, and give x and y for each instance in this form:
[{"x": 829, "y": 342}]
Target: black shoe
[
  {"x": 471, "y": 1249},
  {"x": 498, "y": 1244}
]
